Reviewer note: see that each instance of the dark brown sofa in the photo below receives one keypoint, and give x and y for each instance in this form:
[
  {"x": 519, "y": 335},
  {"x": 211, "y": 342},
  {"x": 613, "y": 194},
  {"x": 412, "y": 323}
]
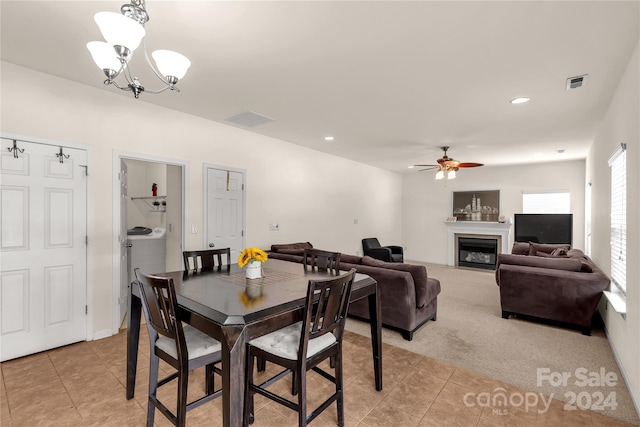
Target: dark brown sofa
[
  {"x": 408, "y": 295},
  {"x": 550, "y": 282}
]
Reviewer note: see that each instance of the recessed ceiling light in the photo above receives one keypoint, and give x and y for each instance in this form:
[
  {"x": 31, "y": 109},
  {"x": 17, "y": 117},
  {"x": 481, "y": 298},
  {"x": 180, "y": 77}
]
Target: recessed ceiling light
[
  {"x": 520, "y": 100},
  {"x": 410, "y": 166},
  {"x": 328, "y": 138}
]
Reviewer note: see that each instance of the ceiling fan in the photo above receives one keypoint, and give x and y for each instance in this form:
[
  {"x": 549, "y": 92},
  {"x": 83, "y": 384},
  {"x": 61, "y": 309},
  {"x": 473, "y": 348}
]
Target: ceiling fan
[{"x": 447, "y": 166}]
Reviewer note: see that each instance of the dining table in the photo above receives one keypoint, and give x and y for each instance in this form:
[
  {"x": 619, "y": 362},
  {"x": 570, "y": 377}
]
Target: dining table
[{"x": 227, "y": 306}]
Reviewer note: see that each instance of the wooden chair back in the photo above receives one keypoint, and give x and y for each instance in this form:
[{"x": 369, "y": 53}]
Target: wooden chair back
[
  {"x": 319, "y": 260},
  {"x": 160, "y": 304},
  {"x": 206, "y": 259},
  {"x": 326, "y": 309}
]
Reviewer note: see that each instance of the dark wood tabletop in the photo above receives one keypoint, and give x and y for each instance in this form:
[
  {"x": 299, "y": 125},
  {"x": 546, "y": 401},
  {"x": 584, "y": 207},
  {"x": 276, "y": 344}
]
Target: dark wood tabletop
[{"x": 233, "y": 309}]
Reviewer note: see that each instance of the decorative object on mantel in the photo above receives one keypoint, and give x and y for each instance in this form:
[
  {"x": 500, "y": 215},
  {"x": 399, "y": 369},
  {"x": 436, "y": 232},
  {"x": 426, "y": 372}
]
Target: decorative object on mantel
[
  {"x": 123, "y": 33},
  {"x": 447, "y": 167},
  {"x": 252, "y": 259},
  {"x": 476, "y": 205}
]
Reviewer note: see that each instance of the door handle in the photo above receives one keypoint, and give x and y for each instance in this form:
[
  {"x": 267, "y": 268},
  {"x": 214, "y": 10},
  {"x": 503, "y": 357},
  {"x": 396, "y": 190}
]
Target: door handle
[
  {"x": 128, "y": 245},
  {"x": 211, "y": 245}
]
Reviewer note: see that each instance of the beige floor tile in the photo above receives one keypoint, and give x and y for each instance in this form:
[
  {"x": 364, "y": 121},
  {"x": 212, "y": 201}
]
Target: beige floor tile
[
  {"x": 84, "y": 385},
  {"x": 449, "y": 409}
]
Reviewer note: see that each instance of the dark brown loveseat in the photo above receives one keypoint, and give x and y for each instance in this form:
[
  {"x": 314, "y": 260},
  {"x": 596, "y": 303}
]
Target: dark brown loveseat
[
  {"x": 408, "y": 296},
  {"x": 550, "y": 282}
]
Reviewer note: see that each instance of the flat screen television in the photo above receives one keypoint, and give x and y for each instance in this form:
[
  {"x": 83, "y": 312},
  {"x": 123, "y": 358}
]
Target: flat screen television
[{"x": 543, "y": 228}]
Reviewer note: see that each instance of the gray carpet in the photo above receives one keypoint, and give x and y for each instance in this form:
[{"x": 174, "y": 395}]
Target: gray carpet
[{"x": 470, "y": 333}]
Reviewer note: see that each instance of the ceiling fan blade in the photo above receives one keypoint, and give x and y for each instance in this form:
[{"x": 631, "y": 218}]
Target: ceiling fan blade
[
  {"x": 429, "y": 168},
  {"x": 469, "y": 165},
  {"x": 424, "y": 165}
]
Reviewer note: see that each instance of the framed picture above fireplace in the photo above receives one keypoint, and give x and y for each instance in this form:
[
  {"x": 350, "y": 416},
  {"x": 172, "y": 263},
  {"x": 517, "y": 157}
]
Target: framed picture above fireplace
[{"x": 476, "y": 205}]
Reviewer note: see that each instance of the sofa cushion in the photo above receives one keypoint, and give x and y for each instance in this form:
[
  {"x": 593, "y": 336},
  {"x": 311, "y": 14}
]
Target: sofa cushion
[
  {"x": 586, "y": 267},
  {"x": 560, "y": 252},
  {"x": 551, "y": 255},
  {"x": 292, "y": 248},
  {"x": 545, "y": 247},
  {"x": 289, "y": 251},
  {"x": 350, "y": 259},
  {"x": 520, "y": 248},
  {"x": 425, "y": 291},
  {"x": 555, "y": 263}
]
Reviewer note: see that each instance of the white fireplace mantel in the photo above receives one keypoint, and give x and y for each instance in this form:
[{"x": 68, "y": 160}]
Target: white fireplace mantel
[{"x": 485, "y": 228}]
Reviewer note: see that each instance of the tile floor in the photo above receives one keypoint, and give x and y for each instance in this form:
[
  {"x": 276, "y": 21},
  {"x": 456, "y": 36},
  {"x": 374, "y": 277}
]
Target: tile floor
[{"x": 83, "y": 385}]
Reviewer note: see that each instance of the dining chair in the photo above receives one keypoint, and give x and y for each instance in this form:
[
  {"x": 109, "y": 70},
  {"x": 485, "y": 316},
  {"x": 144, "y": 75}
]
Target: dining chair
[
  {"x": 313, "y": 260},
  {"x": 300, "y": 347},
  {"x": 183, "y": 347},
  {"x": 319, "y": 260},
  {"x": 207, "y": 259}
]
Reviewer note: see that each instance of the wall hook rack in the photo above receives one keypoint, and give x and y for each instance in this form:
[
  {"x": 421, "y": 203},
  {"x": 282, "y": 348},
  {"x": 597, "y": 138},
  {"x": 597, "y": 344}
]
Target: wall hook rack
[
  {"x": 15, "y": 149},
  {"x": 61, "y": 156}
]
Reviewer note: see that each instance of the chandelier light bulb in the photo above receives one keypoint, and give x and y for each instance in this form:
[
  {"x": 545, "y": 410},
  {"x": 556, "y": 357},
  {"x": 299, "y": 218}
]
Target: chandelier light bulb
[
  {"x": 118, "y": 30},
  {"x": 440, "y": 174},
  {"x": 104, "y": 56},
  {"x": 451, "y": 174},
  {"x": 171, "y": 64}
]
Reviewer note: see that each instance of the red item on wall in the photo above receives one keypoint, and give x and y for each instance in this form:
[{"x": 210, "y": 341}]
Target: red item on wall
[{"x": 154, "y": 189}]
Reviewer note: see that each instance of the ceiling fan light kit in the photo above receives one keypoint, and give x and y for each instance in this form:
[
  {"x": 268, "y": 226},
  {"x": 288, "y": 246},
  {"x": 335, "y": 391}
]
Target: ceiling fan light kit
[
  {"x": 123, "y": 33},
  {"x": 447, "y": 167}
]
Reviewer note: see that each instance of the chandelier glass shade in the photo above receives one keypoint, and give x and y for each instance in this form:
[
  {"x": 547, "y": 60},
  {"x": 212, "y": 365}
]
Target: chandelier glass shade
[
  {"x": 445, "y": 171},
  {"x": 123, "y": 34}
]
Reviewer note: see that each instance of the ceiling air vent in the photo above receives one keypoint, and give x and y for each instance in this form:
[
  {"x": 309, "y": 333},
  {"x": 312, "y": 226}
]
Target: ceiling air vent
[
  {"x": 576, "y": 82},
  {"x": 249, "y": 119}
]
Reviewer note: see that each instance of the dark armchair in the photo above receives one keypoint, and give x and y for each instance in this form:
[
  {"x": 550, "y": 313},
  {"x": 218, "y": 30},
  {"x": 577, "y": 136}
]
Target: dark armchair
[{"x": 371, "y": 247}]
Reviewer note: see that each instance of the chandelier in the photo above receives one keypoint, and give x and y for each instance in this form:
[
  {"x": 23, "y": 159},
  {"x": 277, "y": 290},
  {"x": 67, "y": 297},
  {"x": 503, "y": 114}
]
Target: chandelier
[
  {"x": 446, "y": 171},
  {"x": 123, "y": 33}
]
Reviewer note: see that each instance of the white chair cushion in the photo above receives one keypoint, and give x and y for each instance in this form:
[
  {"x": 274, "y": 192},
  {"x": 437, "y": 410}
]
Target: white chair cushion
[
  {"x": 198, "y": 343},
  {"x": 284, "y": 342}
]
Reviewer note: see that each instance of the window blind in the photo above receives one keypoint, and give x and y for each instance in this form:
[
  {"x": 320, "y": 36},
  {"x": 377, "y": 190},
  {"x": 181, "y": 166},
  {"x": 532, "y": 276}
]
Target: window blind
[
  {"x": 546, "y": 202},
  {"x": 618, "y": 166}
]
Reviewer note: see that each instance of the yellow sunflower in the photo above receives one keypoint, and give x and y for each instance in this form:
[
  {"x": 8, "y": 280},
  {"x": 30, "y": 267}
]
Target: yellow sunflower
[{"x": 251, "y": 254}]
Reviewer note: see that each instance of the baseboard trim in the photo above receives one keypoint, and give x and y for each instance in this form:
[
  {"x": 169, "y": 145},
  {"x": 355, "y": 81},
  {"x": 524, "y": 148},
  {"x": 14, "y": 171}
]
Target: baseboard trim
[
  {"x": 635, "y": 399},
  {"x": 105, "y": 333}
]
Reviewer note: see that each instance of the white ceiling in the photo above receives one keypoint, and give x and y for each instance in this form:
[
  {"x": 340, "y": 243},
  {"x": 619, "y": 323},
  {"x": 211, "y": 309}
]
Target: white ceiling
[{"x": 391, "y": 81}]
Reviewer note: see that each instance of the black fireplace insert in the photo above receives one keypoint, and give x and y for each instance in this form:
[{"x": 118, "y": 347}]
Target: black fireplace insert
[{"x": 477, "y": 252}]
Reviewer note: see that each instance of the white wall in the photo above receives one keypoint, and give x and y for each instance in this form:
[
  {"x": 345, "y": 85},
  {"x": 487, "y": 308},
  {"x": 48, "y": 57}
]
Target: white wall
[
  {"x": 621, "y": 124},
  {"x": 313, "y": 196},
  {"x": 426, "y": 203}
]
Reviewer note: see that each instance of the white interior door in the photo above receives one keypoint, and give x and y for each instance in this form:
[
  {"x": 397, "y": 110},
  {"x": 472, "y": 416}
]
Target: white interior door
[
  {"x": 123, "y": 298},
  {"x": 225, "y": 210},
  {"x": 43, "y": 232}
]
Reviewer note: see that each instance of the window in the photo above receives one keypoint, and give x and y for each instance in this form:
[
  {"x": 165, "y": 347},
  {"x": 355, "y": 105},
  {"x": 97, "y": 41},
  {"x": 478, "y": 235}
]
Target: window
[
  {"x": 547, "y": 202},
  {"x": 618, "y": 165}
]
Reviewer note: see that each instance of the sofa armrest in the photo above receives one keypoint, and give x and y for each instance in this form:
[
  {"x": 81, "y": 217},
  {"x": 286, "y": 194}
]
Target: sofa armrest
[
  {"x": 395, "y": 249},
  {"x": 383, "y": 254}
]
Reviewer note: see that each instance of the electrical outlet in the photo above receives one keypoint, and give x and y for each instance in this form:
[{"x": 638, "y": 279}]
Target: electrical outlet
[
  {"x": 194, "y": 229},
  {"x": 274, "y": 226}
]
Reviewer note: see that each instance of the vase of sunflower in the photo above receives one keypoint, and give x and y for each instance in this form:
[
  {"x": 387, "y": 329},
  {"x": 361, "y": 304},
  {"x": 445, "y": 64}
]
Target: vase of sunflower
[{"x": 252, "y": 259}]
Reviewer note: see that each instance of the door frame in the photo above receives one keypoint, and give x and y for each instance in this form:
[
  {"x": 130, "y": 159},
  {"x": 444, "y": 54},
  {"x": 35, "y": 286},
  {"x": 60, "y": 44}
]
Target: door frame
[
  {"x": 90, "y": 203},
  {"x": 205, "y": 200},
  {"x": 124, "y": 155}
]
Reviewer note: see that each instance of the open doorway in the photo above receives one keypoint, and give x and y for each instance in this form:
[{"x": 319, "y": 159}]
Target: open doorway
[{"x": 149, "y": 221}]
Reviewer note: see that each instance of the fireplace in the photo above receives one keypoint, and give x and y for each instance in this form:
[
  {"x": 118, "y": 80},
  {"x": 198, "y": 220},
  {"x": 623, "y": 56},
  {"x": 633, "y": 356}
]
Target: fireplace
[
  {"x": 497, "y": 231},
  {"x": 477, "y": 252}
]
